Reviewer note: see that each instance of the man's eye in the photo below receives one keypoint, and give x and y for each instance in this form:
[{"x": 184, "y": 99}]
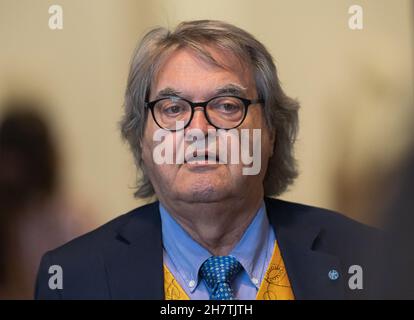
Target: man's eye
[
  {"x": 174, "y": 110},
  {"x": 228, "y": 108}
]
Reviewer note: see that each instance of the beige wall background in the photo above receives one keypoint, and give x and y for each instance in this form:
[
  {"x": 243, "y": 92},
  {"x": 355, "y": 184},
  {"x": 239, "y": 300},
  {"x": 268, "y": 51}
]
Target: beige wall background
[{"x": 355, "y": 88}]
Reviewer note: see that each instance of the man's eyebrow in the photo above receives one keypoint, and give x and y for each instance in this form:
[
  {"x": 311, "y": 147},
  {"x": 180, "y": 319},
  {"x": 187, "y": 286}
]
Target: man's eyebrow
[
  {"x": 228, "y": 89},
  {"x": 168, "y": 92},
  {"x": 231, "y": 89}
]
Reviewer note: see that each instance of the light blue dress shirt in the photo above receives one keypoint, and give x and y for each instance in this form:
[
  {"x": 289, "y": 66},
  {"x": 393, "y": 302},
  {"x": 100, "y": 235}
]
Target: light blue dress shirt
[{"x": 184, "y": 256}]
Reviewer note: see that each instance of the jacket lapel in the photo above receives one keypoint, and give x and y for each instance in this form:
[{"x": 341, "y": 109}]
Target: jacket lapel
[
  {"x": 134, "y": 265},
  {"x": 307, "y": 269}
]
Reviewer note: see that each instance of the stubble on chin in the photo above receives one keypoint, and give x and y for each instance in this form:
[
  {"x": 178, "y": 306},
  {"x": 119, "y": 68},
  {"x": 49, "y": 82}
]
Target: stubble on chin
[{"x": 200, "y": 190}]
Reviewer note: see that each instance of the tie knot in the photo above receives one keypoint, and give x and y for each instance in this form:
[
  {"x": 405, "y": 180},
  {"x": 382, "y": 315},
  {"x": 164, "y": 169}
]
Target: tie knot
[{"x": 219, "y": 269}]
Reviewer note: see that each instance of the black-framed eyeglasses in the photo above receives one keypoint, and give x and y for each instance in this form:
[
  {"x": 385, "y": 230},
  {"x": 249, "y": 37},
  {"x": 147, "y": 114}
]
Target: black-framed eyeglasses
[{"x": 223, "y": 112}]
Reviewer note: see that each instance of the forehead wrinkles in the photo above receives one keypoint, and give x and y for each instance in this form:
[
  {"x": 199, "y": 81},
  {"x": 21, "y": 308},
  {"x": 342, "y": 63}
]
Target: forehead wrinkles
[{"x": 209, "y": 56}]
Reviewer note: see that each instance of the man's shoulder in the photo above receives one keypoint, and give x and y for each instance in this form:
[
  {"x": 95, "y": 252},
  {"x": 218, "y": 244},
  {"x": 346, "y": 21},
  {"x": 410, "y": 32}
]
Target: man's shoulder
[
  {"x": 85, "y": 261},
  {"x": 324, "y": 233},
  {"x": 101, "y": 236},
  {"x": 333, "y": 225}
]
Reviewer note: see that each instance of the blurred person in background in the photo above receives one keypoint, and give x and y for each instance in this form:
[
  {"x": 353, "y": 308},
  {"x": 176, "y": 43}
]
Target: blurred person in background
[{"x": 34, "y": 215}]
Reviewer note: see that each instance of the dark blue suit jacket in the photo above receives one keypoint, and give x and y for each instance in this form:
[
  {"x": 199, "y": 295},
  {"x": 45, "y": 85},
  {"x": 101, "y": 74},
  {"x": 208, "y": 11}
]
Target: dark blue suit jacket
[{"x": 123, "y": 259}]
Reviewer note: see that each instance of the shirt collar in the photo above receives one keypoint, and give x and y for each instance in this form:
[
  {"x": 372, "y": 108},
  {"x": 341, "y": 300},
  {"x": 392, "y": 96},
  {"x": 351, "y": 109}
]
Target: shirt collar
[
  {"x": 187, "y": 255},
  {"x": 252, "y": 249}
]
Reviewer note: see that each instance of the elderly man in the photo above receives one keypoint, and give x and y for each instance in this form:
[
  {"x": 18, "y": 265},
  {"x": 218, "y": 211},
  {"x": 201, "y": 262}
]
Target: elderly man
[{"x": 199, "y": 101}]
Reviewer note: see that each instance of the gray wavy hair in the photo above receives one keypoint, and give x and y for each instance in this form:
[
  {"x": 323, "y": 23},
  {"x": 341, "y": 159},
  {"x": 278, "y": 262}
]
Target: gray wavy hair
[{"x": 280, "y": 111}]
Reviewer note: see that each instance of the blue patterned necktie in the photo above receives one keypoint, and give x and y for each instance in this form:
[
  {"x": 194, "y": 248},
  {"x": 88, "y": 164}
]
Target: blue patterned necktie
[{"x": 218, "y": 272}]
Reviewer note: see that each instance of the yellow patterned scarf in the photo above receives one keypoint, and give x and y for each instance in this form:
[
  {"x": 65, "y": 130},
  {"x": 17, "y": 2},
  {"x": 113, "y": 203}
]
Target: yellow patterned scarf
[{"x": 275, "y": 284}]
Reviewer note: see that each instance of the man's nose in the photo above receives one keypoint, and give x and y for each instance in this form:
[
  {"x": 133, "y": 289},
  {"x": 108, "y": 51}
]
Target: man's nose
[{"x": 200, "y": 121}]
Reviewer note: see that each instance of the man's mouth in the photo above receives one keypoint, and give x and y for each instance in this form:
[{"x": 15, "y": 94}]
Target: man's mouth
[{"x": 202, "y": 158}]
